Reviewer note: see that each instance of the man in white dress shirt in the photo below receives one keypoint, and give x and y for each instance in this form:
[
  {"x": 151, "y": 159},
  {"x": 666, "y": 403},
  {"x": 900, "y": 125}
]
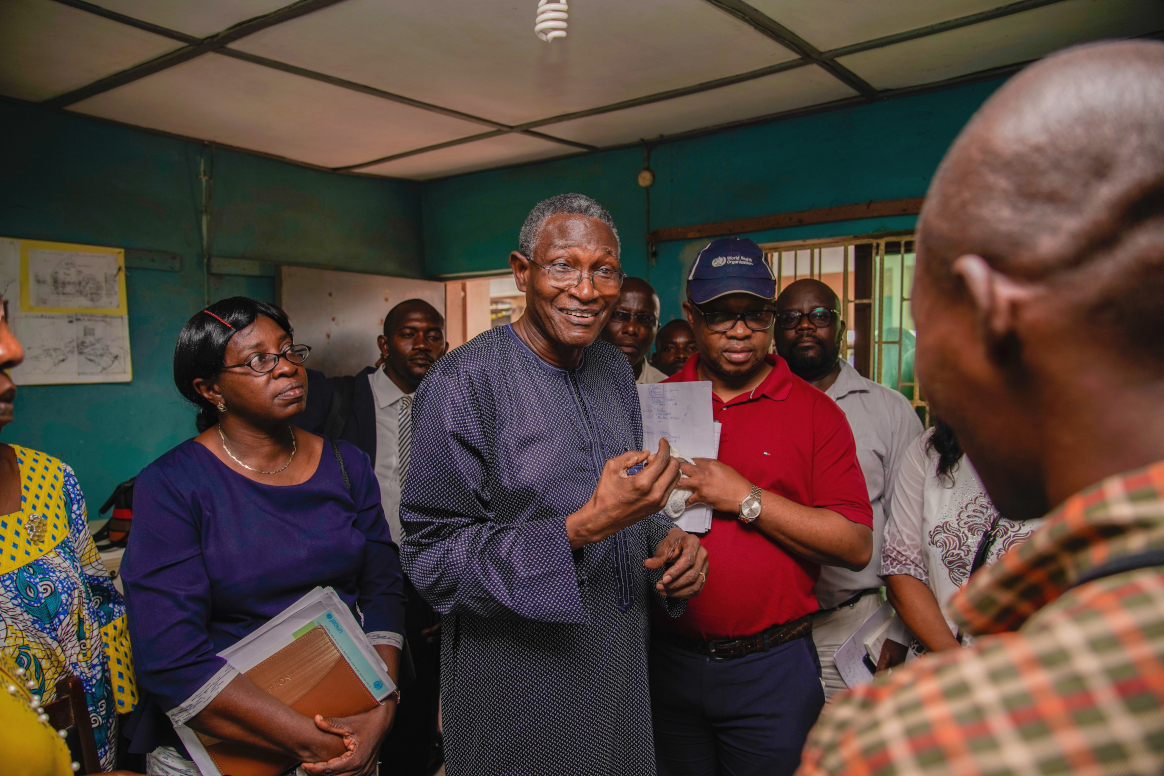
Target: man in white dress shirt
[
  {"x": 372, "y": 410},
  {"x": 809, "y": 332}
]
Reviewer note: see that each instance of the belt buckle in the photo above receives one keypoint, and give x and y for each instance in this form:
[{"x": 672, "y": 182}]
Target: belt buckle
[{"x": 725, "y": 650}]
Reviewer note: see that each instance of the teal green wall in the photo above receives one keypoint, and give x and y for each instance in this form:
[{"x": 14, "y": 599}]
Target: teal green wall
[
  {"x": 71, "y": 179},
  {"x": 888, "y": 150}
]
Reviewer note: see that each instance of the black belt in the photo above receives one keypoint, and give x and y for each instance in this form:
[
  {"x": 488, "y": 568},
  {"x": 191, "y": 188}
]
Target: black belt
[
  {"x": 853, "y": 600},
  {"x": 729, "y": 649}
]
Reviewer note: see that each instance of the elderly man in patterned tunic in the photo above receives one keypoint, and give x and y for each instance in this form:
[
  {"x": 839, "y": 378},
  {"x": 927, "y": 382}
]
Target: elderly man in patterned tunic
[{"x": 532, "y": 521}]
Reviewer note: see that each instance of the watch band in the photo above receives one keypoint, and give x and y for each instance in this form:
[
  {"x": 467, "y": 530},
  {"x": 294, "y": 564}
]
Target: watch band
[{"x": 754, "y": 496}]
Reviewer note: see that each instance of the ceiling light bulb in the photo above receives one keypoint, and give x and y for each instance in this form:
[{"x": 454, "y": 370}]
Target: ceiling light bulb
[{"x": 551, "y": 19}]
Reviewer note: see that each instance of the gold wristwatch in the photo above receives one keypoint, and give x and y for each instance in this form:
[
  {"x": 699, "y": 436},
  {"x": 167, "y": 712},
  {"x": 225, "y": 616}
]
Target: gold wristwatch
[{"x": 750, "y": 506}]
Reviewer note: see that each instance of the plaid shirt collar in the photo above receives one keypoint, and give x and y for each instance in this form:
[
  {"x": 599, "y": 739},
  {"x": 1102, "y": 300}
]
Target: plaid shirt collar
[{"x": 1122, "y": 515}]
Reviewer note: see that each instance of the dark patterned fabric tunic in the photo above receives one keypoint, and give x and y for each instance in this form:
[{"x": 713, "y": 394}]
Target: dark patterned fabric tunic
[{"x": 544, "y": 649}]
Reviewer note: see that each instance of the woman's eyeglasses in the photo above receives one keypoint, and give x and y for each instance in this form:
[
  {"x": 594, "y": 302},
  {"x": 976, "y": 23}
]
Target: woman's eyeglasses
[
  {"x": 264, "y": 363},
  {"x": 756, "y": 320},
  {"x": 820, "y": 317}
]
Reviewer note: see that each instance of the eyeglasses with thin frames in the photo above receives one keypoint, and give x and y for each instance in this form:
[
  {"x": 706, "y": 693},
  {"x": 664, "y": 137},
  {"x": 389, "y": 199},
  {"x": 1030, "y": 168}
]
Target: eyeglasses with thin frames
[
  {"x": 564, "y": 276},
  {"x": 818, "y": 317},
  {"x": 265, "y": 363}
]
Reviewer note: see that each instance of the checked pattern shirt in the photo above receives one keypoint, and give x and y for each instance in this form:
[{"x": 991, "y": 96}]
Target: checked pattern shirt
[{"x": 1064, "y": 679}]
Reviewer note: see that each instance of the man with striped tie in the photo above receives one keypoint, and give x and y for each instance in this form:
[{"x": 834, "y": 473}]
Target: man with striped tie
[{"x": 372, "y": 410}]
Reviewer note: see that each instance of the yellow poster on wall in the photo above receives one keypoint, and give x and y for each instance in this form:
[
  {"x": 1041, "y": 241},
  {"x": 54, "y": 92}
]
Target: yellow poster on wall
[
  {"x": 66, "y": 278},
  {"x": 67, "y": 306}
]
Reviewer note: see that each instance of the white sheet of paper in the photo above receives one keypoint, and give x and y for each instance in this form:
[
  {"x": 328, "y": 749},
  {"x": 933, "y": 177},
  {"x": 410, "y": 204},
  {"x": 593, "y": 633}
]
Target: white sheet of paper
[
  {"x": 850, "y": 657},
  {"x": 681, "y": 413}
]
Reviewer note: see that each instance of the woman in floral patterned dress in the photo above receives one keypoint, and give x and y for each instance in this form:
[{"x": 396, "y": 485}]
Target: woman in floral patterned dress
[
  {"x": 59, "y": 611},
  {"x": 942, "y": 527}
]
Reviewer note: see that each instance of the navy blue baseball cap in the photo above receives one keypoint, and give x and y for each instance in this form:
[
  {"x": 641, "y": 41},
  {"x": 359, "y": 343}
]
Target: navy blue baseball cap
[{"x": 730, "y": 265}]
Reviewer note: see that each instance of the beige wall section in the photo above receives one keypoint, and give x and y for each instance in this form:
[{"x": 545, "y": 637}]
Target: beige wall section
[
  {"x": 467, "y": 302},
  {"x": 340, "y": 314}
]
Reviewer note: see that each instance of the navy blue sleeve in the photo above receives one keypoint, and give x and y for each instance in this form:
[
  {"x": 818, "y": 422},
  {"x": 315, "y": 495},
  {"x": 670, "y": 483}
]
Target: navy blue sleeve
[
  {"x": 457, "y": 554},
  {"x": 381, "y": 585},
  {"x": 167, "y": 591}
]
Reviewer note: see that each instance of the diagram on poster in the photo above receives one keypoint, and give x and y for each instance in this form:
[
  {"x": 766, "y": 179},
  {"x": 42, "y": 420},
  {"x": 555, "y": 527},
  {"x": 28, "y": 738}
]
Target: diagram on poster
[
  {"x": 66, "y": 305},
  {"x": 72, "y": 280}
]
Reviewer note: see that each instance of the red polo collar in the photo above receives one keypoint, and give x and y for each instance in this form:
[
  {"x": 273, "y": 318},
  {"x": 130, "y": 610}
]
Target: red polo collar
[{"x": 776, "y": 385}]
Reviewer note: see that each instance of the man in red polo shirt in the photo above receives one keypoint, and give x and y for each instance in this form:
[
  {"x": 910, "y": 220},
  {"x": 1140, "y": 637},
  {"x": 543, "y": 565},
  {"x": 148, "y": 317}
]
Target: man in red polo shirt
[{"x": 735, "y": 682}]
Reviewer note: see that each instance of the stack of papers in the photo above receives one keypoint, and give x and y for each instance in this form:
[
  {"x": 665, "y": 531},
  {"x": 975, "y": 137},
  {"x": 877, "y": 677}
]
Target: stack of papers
[
  {"x": 321, "y": 608},
  {"x": 682, "y": 413},
  {"x": 857, "y": 658}
]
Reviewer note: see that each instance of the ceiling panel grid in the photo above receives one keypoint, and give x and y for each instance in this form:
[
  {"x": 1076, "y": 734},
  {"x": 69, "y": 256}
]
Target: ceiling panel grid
[
  {"x": 417, "y": 89},
  {"x": 47, "y": 48},
  {"x": 241, "y": 104}
]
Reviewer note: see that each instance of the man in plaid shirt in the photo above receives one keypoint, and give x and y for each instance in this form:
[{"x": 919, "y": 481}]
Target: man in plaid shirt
[{"x": 1038, "y": 301}]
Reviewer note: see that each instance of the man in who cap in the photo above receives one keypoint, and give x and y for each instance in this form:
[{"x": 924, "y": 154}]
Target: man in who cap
[{"x": 735, "y": 681}]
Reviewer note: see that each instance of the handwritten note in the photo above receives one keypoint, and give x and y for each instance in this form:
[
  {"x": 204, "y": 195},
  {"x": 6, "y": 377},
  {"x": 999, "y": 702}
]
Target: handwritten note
[
  {"x": 681, "y": 413},
  {"x": 853, "y": 658}
]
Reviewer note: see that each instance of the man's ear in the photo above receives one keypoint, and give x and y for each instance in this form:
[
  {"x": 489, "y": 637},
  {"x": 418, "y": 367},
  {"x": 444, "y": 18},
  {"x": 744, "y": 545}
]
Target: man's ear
[
  {"x": 520, "y": 266},
  {"x": 382, "y": 343},
  {"x": 998, "y": 299},
  {"x": 689, "y": 311}
]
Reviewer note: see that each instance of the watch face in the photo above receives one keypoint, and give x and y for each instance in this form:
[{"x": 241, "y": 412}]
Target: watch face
[{"x": 750, "y": 509}]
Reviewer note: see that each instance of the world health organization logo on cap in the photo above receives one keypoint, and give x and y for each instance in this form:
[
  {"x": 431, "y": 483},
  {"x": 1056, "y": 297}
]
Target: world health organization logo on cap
[{"x": 730, "y": 265}]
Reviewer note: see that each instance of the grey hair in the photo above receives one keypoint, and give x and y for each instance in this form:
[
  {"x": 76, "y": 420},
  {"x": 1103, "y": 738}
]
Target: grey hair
[{"x": 562, "y": 204}]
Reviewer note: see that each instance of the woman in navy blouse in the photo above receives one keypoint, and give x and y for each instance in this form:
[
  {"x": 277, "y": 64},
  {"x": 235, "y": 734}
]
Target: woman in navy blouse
[{"x": 236, "y": 524}]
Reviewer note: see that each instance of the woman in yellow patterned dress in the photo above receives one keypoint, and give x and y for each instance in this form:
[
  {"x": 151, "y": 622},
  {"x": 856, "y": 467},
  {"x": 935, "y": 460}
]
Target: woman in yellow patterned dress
[{"x": 59, "y": 611}]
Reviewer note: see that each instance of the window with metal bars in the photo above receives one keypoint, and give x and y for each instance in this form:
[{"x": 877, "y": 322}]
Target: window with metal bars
[{"x": 873, "y": 276}]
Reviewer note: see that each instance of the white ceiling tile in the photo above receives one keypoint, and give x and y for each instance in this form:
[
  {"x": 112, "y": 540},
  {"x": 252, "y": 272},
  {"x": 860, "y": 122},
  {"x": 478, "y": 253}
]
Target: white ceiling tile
[
  {"x": 1017, "y": 38},
  {"x": 199, "y": 18},
  {"x": 48, "y": 49},
  {"x": 759, "y": 97},
  {"x": 483, "y": 58},
  {"x": 830, "y": 24},
  {"x": 478, "y": 155},
  {"x": 238, "y": 103}
]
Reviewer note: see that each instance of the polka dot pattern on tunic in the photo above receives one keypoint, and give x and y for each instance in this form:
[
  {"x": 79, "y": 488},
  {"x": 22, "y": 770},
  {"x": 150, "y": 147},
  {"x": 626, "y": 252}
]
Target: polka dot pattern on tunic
[{"x": 543, "y": 660}]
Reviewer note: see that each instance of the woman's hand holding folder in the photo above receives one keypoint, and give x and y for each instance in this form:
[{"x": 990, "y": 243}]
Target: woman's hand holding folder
[{"x": 361, "y": 733}]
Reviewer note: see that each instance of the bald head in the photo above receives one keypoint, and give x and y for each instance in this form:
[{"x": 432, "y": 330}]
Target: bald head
[
  {"x": 812, "y": 347},
  {"x": 1062, "y": 171},
  {"x": 1040, "y": 270},
  {"x": 821, "y": 294},
  {"x": 398, "y": 313}
]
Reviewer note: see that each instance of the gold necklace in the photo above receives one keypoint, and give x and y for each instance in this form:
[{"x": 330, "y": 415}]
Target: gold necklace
[{"x": 294, "y": 449}]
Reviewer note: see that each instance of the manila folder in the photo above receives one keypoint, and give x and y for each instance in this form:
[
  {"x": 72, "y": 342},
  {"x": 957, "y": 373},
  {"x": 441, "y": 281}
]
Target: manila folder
[{"x": 309, "y": 675}]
